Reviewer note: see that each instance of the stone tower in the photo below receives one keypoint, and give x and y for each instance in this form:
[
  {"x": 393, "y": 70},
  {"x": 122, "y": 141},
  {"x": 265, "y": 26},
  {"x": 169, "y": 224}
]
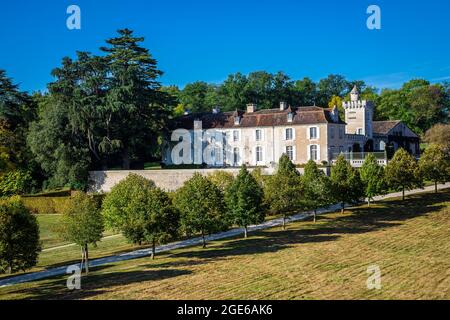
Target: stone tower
[{"x": 358, "y": 115}]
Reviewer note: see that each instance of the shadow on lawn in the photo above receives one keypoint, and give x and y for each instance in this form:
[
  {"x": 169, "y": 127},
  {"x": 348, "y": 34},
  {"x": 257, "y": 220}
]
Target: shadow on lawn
[
  {"x": 94, "y": 284},
  {"x": 382, "y": 215}
]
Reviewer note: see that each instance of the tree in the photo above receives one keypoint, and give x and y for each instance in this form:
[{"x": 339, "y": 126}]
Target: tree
[
  {"x": 402, "y": 172},
  {"x": 162, "y": 219},
  {"x": 305, "y": 92},
  {"x": 333, "y": 85},
  {"x": 372, "y": 176},
  {"x": 434, "y": 164},
  {"x": 439, "y": 134},
  {"x": 125, "y": 207},
  {"x": 15, "y": 182},
  {"x": 317, "y": 188},
  {"x": 137, "y": 111},
  {"x": 244, "y": 199},
  {"x": 346, "y": 183},
  {"x": 221, "y": 179},
  {"x": 201, "y": 207},
  {"x": 82, "y": 224},
  {"x": 193, "y": 97},
  {"x": 19, "y": 236},
  {"x": 284, "y": 189}
]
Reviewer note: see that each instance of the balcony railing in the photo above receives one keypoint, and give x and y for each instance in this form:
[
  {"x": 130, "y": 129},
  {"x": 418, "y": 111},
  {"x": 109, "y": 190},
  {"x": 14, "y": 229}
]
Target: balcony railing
[{"x": 356, "y": 159}]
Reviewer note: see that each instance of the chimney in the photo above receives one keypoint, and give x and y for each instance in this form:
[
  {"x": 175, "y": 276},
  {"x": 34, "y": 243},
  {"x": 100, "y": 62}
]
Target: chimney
[
  {"x": 283, "y": 105},
  {"x": 251, "y": 107},
  {"x": 216, "y": 110}
]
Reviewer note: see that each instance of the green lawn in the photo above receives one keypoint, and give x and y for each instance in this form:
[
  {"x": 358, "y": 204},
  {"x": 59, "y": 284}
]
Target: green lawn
[{"x": 409, "y": 241}]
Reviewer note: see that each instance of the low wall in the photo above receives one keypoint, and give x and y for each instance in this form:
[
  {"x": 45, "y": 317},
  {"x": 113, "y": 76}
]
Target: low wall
[{"x": 169, "y": 180}]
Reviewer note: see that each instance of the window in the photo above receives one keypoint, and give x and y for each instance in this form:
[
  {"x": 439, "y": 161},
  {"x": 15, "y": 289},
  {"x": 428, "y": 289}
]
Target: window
[
  {"x": 258, "y": 135},
  {"x": 332, "y": 133},
  {"x": 290, "y": 152},
  {"x": 341, "y": 133},
  {"x": 237, "y": 120},
  {"x": 289, "y": 134},
  {"x": 235, "y": 135},
  {"x": 360, "y": 131},
  {"x": 290, "y": 116},
  {"x": 313, "y": 155},
  {"x": 259, "y": 155},
  {"x": 236, "y": 156},
  {"x": 382, "y": 145},
  {"x": 313, "y": 133}
]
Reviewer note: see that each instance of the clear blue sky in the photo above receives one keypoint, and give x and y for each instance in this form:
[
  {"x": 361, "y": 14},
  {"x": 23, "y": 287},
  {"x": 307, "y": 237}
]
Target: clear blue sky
[{"x": 207, "y": 40}]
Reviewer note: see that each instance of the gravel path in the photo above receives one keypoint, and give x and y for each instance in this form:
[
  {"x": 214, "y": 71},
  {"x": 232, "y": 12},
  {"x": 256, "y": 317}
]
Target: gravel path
[{"x": 191, "y": 242}]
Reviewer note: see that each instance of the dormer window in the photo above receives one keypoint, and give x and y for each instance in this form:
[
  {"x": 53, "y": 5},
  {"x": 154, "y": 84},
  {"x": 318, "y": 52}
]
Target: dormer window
[
  {"x": 290, "y": 117},
  {"x": 237, "y": 120}
]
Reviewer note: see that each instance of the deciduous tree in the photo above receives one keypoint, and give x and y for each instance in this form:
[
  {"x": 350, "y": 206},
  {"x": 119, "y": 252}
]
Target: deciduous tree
[
  {"x": 434, "y": 164},
  {"x": 372, "y": 176}
]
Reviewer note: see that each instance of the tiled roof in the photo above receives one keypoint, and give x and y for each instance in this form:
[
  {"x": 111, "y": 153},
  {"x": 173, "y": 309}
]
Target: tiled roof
[
  {"x": 383, "y": 127},
  {"x": 260, "y": 118}
]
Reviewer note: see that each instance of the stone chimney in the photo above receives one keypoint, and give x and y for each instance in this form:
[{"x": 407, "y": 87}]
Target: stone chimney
[
  {"x": 283, "y": 105},
  {"x": 251, "y": 107}
]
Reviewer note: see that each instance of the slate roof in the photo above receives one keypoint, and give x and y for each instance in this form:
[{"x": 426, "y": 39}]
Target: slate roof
[
  {"x": 260, "y": 118},
  {"x": 383, "y": 127}
]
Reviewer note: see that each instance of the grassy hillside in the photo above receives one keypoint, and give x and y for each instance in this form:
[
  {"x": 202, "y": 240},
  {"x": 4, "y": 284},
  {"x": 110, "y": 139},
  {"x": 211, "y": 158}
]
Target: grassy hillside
[{"x": 409, "y": 241}]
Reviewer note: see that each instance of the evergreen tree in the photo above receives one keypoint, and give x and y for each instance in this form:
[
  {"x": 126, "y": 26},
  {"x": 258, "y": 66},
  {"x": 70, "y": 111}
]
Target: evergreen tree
[
  {"x": 201, "y": 207},
  {"x": 347, "y": 186},
  {"x": 19, "y": 236},
  {"x": 317, "y": 188},
  {"x": 402, "y": 172},
  {"x": 244, "y": 199},
  {"x": 434, "y": 164},
  {"x": 372, "y": 176},
  {"x": 135, "y": 106},
  {"x": 284, "y": 190},
  {"x": 82, "y": 225}
]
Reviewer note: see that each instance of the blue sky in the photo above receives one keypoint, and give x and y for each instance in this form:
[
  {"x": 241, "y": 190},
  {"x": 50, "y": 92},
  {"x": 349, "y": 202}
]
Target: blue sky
[{"x": 207, "y": 40}]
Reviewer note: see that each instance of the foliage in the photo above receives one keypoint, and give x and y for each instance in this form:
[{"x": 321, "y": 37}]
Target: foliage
[
  {"x": 244, "y": 200},
  {"x": 82, "y": 224},
  {"x": 372, "y": 176},
  {"x": 284, "y": 190},
  {"x": 317, "y": 188},
  {"x": 402, "y": 172},
  {"x": 221, "y": 179},
  {"x": 346, "y": 183},
  {"x": 434, "y": 164},
  {"x": 19, "y": 236},
  {"x": 201, "y": 207},
  {"x": 439, "y": 134},
  {"x": 125, "y": 207},
  {"x": 15, "y": 182}
]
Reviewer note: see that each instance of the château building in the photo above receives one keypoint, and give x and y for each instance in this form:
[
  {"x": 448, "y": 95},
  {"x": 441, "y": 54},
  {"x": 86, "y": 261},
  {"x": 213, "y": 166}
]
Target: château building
[{"x": 259, "y": 137}]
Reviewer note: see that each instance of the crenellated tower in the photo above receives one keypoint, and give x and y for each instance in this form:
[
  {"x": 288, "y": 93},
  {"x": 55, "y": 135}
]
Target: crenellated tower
[{"x": 358, "y": 115}]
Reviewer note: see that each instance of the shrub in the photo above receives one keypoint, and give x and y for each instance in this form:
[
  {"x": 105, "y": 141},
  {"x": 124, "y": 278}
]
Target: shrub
[
  {"x": 15, "y": 182},
  {"x": 19, "y": 236}
]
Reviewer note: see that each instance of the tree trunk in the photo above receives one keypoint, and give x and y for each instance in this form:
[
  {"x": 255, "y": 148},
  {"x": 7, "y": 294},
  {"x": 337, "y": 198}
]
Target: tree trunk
[
  {"x": 284, "y": 223},
  {"x": 203, "y": 239},
  {"x": 435, "y": 187},
  {"x": 315, "y": 213},
  {"x": 403, "y": 193},
  {"x": 153, "y": 249},
  {"x": 343, "y": 207},
  {"x": 245, "y": 231},
  {"x": 368, "y": 201},
  {"x": 86, "y": 258},
  {"x": 82, "y": 258}
]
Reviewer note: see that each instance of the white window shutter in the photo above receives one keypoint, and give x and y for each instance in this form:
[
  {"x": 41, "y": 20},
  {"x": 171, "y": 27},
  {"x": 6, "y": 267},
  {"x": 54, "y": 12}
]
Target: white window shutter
[
  {"x": 294, "y": 153},
  {"x": 318, "y": 152}
]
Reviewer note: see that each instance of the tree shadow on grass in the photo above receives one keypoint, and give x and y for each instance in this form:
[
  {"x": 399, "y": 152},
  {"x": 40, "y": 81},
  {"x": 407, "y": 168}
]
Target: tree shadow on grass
[
  {"x": 94, "y": 284},
  {"x": 384, "y": 214}
]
